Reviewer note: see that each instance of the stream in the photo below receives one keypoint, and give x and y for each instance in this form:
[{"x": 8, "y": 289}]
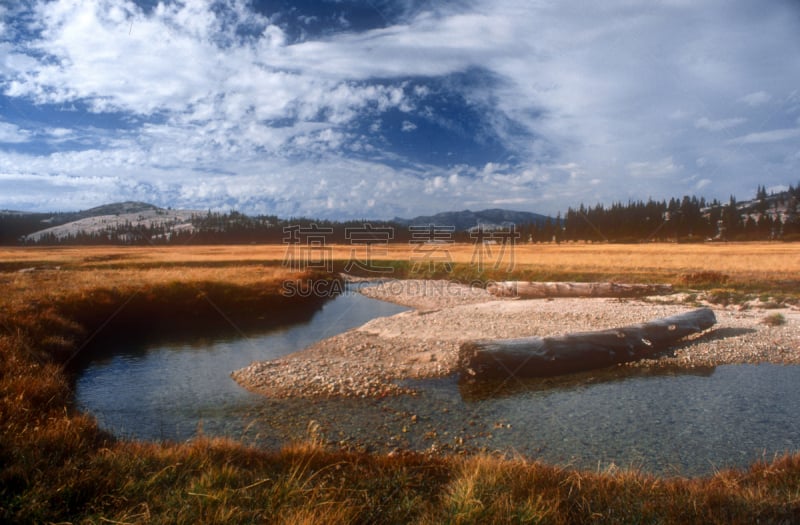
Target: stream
[{"x": 687, "y": 422}]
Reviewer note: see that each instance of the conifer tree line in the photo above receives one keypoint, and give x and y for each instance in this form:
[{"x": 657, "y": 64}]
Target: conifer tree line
[
  {"x": 689, "y": 219},
  {"x": 237, "y": 228},
  {"x": 768, "y": 217}
]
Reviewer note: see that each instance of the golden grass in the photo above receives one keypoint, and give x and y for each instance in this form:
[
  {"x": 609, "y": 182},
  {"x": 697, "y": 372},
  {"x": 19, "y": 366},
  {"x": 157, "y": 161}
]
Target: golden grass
[
  {"x": 57, "y": 285},
  {"x": 741, "y": 262},
  {"x": 57, "y": 466}
]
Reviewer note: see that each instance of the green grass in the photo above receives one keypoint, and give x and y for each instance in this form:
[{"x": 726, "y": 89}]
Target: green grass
[{"x": 58, "y": 466}]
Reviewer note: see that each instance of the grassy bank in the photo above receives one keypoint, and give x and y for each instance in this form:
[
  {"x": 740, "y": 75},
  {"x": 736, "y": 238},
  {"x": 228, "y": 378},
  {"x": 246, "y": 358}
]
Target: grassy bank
[
  {"x": 57, "y": 466},
  {"x": 745, "y": 266}
]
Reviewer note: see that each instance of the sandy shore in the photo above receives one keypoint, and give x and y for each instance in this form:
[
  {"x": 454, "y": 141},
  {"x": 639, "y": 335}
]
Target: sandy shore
[{"x": 368, "y": 361}]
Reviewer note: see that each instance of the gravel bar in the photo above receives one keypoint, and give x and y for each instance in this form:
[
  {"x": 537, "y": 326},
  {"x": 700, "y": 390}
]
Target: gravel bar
[{"x": 372, "y": 360}]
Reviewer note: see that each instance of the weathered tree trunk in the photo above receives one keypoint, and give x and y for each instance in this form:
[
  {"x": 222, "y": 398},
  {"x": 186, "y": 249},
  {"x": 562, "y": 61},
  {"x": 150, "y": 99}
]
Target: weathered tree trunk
[
  {"x": 535, "y": 290},
  {"x": 565, "y": 354}
]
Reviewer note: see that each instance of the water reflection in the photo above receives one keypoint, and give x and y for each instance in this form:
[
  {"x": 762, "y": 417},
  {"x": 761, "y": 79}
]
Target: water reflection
[
  {"x": 664, "y": 420},
  {"x": 166, "y": 389},
  {"x": 688, "y": 424},
  {"x": 475, "y": 391}
]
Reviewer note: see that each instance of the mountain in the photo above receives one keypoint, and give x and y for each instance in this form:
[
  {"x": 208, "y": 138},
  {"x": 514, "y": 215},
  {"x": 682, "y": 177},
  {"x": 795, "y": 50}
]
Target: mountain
[
  {"x": 116, "y": 208},
  {"x": 138, "y": 222},
  {"x": 767, "y": 216},
  {"x": 125, "y": 218},
  {"x": 467, "y": 219}
]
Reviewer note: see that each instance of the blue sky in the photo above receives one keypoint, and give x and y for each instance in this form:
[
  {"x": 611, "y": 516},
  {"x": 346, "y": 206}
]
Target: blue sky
[{"x": 375, "y": 109}]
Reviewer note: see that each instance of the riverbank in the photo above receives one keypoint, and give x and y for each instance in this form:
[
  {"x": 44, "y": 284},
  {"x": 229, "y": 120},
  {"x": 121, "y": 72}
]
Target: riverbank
[
  {"x": 58, "y": 466},
  {"x": 372, "y": 360}
]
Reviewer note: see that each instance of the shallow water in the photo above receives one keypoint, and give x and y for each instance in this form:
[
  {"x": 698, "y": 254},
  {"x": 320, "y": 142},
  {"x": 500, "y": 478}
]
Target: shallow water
[
  {"x": 671, "y": 422},
  {"x": 167, "y": 390}
]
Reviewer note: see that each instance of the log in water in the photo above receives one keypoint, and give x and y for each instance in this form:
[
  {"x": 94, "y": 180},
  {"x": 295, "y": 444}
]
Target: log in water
[{"x": 565, "y": 354}]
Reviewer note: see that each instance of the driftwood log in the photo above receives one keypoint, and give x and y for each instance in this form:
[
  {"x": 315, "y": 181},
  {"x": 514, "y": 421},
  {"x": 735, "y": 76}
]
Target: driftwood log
[
  {"x": 566, "y": 354},
  {"x": 536, "y": 290}
]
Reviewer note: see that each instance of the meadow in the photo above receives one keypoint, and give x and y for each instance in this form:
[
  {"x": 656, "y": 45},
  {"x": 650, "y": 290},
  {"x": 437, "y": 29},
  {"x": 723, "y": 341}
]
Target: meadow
[
  {"x": 58, "y": 466},
  {"x": 739, "y": 263}
]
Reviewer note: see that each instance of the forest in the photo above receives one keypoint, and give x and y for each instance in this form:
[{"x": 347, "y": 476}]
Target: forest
[{"x": 769, "y": 216}]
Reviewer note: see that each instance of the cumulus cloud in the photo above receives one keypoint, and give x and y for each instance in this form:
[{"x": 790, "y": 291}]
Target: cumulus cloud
[
  {"x": 182, "y": 60},
  {"x": 212, "y": 104},
  {"x": 10, "y": 133}
]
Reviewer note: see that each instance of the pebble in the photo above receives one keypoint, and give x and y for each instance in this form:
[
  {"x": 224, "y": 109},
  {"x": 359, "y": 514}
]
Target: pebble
[{"x": 369, "y": 361}]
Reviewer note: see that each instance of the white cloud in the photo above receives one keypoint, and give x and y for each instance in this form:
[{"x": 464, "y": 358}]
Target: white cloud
[
  {"x": 59, "y": 133},
  {"x": 11, "y": 134},
  {"x": 756, "y": 98},
  {"x": 510, "y": 200},
  {"x": 653, "y": 169},
  {"x": 182, "y": 60},
  {"x": 91, "y": 52},
  {"x": 408, "y": 126},
  {"x": 763, "y": 137},
  {"x": 609, "y": 91},
  {"x": 434, "y": 184},
  {"x": 702, "y": 183},
  {"x": 718, "y": 125}
]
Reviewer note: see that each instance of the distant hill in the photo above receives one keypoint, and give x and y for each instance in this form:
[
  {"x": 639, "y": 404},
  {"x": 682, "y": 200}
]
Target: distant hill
[
  {"x": 122, "y": 218},
  {"x": 467, "y": 219},
  {"x": 774, "y": 216},
  {"x": 117, "y": 208},
  {"x": 136, "y": 222},
  {"x": 22, "y": 223}
]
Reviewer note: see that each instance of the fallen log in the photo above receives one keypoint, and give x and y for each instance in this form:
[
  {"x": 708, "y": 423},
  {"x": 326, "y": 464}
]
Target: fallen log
[
  {"x": 537, "y": 290},
  {"x": 566, "y": 354}
]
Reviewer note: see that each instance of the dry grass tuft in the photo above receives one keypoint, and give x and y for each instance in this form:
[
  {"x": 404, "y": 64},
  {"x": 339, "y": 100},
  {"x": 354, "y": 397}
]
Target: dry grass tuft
[
  {"x": 705, "y": 278},
  {"x": 775, "y": 319}
]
